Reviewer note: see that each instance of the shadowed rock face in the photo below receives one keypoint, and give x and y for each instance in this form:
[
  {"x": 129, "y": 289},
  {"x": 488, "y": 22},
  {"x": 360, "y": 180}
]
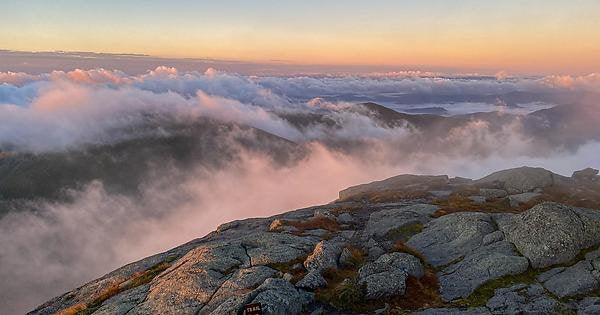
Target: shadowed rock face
[
  {"x": 401, "y": 182},
  {"x": 588, "y": 174},
  {"x": 349, "y": 256}
]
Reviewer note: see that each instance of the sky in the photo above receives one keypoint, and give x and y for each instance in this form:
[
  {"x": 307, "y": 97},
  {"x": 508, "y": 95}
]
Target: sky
[{"x": 532, "y": 36}]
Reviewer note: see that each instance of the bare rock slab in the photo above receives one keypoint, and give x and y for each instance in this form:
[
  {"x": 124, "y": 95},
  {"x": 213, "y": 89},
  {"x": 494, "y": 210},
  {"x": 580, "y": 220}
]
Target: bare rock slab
[
  {"x": 524, "y": 299},
  {"x": 451, "y": 237},
  {"x": 483, "y": 265},
  {"x": 521, "y": 180},
  {"x": 552, "y": 233},
  {"x": 579, "y": 279},
  {"x": 278, "y": 296},
  {"x": 383, "y": 222},
  {"x": 387, "y": 275}
]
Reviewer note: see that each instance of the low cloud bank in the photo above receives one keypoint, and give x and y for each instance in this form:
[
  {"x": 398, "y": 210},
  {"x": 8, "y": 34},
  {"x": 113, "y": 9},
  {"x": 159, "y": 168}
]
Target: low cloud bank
[{"x": 65, "y": 110}]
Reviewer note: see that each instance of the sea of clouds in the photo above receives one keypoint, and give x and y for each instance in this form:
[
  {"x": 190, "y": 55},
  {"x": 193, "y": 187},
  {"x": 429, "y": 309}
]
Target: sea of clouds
[{"x": 63, "y": 244}]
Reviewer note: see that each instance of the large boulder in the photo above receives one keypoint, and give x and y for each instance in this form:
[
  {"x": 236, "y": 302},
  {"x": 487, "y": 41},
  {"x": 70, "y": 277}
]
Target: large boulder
[
  {"x": 385, "y": 221},
  {"x": 487, "y": 263},
  {"x": 312, "y": 280},
  {"x": 521, "y": 180},
  {"x": 449, "y": 238},
  {"x": 588, "y": 174},
  {"x": 387, "y": 275},
  {"x": 552, "y": 233},
  {"x": 277, "y": 296},
  {"x": 325, "y": 255}
]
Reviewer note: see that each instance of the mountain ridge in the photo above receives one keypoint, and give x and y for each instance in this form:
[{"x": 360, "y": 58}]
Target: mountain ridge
[{"x": 509, "y": 242}]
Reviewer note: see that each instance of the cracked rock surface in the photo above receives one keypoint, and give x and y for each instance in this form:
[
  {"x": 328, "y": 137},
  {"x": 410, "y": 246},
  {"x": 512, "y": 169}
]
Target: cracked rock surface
[
  {"x": 552, "y": 233},
  {"x": 524, "y": 299},
  {"x": 387, "y": 275}
]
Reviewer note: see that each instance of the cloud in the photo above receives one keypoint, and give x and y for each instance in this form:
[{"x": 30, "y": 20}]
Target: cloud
[
  {"x": 98, "y": 107},
  {"x": 18, "y": 78},
  {"x": 590, "y": 82},
  {"x": 64, "y": 109}
]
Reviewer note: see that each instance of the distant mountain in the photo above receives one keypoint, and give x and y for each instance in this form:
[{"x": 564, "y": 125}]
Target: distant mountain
[
  {"x": 124, "y": 165},
  {"x": 568, "y": 125}
]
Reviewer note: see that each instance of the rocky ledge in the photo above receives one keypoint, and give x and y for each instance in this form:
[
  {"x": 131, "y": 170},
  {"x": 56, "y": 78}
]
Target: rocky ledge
[{"x": 518, "y": 241}]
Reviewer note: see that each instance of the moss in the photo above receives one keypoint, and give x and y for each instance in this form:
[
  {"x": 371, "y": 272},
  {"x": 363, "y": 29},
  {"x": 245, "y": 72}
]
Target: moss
[
  {"x": 147, "y": 275},
  {"x": 404, "y": 232},
  {"x": 486, "y": 291}
]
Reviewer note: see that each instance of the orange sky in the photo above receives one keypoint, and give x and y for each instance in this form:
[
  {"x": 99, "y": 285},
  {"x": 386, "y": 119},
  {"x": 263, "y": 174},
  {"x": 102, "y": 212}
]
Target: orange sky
[{"x": 519, "y": 36}]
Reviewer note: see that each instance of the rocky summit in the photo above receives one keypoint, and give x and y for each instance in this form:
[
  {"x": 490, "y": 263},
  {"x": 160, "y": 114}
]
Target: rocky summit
[{"x": 519, "y": 241}]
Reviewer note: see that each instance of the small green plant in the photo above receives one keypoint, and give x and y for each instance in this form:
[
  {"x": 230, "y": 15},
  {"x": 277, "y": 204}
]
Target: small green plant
[
  {"x": 404, "y": 232},
  {"x": 486, "y": 291}
]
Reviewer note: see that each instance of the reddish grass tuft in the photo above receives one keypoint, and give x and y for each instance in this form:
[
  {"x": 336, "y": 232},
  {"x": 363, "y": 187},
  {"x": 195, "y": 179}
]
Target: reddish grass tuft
[
  {"x": 400, "y": 246},
  {"x": 420, "y": 293},
  {"x": 357, "y": 256},
  {"x": 324, "y": 223},
  {"x": 137, "y": 279},
  {"x": 73, "y": 309},
  {"x": 391, "y": 195},
  {"x": 460, "y": 202}
]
